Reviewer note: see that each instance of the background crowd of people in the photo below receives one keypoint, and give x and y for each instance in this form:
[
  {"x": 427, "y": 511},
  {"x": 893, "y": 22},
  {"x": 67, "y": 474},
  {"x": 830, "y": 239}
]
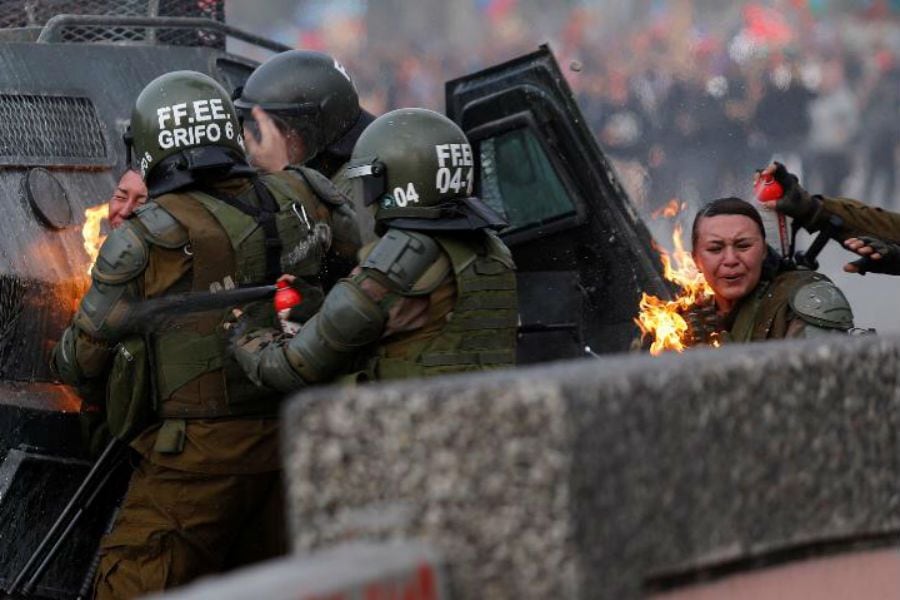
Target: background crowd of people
[{"x": 685, "y": 96}]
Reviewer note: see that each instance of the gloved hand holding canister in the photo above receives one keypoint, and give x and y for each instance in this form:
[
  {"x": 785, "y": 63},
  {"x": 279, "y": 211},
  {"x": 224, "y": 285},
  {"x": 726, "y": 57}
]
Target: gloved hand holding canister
[
  {"x": 878, "y": 256},
  {"x": 794, "y": 201}
]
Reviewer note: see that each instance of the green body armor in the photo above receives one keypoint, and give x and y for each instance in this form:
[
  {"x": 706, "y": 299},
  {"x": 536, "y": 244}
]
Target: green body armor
[
  {"x": 480, "y": 333},
  {"x": 196, "y": 378}
]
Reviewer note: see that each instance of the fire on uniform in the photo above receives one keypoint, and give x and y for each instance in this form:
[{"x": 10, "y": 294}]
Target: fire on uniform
[{"x": 663, "y": 320}]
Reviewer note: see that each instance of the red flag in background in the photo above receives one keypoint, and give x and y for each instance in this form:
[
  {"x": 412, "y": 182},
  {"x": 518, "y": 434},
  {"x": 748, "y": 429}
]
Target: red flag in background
[
  {"x": 767, "y": 25},
  {"x": 496, "y": 10}
]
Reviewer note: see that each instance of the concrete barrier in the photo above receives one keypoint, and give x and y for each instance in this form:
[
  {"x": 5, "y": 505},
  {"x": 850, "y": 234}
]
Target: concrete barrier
[
  {"x": 354, "y": 571},
  {"x": 609, "y": 477}
]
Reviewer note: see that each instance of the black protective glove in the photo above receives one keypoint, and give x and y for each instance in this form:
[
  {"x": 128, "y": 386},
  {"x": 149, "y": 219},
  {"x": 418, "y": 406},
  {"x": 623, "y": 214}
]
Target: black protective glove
[
  {"x": 312, "y": 295},
  {"x": 888, "y": 261},
  {"x": 796, "y": 201},
  {"x": 704, "y": 325}
]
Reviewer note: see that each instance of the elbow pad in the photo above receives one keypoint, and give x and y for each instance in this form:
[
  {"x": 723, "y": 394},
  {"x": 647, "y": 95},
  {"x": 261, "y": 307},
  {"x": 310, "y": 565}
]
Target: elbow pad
[
  {"x": 348, "y": 322},
  {"x": 78, "y": 358},
  {"x": 62, "y": 361}
]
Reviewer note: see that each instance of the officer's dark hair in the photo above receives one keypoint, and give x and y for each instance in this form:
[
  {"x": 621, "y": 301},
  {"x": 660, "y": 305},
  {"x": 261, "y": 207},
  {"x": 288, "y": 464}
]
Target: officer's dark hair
[{"x": 726, "y": 206}]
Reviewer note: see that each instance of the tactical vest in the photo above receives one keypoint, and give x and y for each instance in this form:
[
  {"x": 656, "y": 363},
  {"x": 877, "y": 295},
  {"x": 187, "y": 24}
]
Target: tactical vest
[
  {"x": 765, "y": 313},
  {"x": 478, "y": 333},
  {"x": 195, "y": 376}
]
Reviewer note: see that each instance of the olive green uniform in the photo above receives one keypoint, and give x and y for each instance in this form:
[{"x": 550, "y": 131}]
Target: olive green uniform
[
  {"x": 792, "y": 304},
  {"x": 418, "y": 305},
  {"x": 857, "y": 218},
  {"x": 206, "y": 494}
]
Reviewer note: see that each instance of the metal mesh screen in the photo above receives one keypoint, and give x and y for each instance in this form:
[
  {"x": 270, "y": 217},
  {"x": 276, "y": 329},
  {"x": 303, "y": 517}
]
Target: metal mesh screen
[
  {"x": 36, "y": 13},
  {"x": 44, "y": 129}
]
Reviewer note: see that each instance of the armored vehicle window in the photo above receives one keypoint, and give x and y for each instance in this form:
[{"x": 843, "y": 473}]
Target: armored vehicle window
[{"x": 518, "y": 181}]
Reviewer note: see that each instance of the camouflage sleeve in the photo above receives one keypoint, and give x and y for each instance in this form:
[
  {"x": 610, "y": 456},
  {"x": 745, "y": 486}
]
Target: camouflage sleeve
[
  {"x": 354, "y": 316},
  {"x": 861, "y": 219},
  {"x": 349, "y": 321}
]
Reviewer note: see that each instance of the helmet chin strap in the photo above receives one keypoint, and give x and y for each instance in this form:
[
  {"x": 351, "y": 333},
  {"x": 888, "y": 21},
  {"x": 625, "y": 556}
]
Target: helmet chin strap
[
  {"x": 195, "y": 166},
  {"x": 128, "y": 140}
]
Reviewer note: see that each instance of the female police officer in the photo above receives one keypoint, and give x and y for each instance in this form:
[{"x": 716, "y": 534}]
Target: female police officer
[{"x": 756, "y": 297}]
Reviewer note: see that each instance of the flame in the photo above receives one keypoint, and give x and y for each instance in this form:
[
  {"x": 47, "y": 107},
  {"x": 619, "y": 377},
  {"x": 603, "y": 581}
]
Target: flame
[
  {"x": 91, "y": 232},
  {"x": 662, "y": 319},
  {"x": 670, "y": 210}
]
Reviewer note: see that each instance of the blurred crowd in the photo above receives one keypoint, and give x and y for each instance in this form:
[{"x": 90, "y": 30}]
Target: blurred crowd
[
  {"x": 686, "y": 96},
  {"x": 691, "y": 120}
]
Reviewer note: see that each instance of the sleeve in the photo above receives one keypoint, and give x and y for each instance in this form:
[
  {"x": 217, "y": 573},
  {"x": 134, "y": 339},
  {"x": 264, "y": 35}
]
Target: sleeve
[
  {"x": 349, "y": 322},
  {"x": 353, "y": 317},
  {"x": 860, "y": 219},
  {"x": 101, "y": 319}
]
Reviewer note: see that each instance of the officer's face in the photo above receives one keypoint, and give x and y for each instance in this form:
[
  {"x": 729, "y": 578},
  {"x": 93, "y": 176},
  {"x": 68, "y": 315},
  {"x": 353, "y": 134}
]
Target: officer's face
[
  {"x": 130, "y": 193},
  {"x": 729, "y": 252}
]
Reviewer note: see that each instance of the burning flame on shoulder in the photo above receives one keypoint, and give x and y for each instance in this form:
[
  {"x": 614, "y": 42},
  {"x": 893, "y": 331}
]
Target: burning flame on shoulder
[
  {"x": 90, "y": 231},
  {"x": 662, "y": 320}
]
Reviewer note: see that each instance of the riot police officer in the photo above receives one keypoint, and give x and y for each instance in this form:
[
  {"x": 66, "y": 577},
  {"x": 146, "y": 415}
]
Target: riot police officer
[
  {"x": 208, "y": 474},
  {"x": 436, "y": 293},
  {"x": 301, "y": 107}
]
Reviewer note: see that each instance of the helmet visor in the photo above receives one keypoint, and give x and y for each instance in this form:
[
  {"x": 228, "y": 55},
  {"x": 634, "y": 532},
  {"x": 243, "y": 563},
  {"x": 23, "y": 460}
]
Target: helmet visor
[{"x": 369, "y": 182}]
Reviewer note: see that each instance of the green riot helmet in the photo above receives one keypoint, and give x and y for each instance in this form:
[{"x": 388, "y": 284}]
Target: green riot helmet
[
  {"x": 417, "y": 168},
  {"x": 184, "y": 113},
  {"x": 308, "y": 92}
]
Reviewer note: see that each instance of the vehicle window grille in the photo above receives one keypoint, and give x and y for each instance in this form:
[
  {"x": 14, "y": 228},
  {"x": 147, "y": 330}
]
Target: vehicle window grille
[
  {"x": 42, "y": 128},
  {"x": 163, "y": 35},
  {"x": 36, "y": 13}
]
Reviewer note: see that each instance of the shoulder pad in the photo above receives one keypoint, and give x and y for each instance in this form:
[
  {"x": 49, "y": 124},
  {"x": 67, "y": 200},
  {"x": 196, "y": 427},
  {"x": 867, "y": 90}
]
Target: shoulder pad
[
  {"x": 822, "y": 304},
  {"x": 489, "y": 254},
  {"x": 498, "y": 251},
  {"x": 122, "y": 256},
  {"x": 403, "y": 258},
  {"x": 323, "y": 187},
  {"x": 162, "y": 228}
]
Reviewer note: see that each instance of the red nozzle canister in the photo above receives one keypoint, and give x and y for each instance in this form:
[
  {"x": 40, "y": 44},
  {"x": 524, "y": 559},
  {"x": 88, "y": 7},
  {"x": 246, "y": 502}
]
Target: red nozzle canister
[
  {"x": 286, "y": 297},
  {"x": 767, "y": 189}
]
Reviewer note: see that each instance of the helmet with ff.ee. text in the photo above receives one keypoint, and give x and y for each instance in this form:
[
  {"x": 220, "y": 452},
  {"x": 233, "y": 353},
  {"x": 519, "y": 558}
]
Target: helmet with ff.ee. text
[
  {"x": 183, "y": 112},
  {"x": 411, "y": 162}
]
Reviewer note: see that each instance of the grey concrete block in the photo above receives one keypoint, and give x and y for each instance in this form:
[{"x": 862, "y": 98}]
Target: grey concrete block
[
  {"x": 351, "y": 571},
  {"x": 589, "y": 479}
]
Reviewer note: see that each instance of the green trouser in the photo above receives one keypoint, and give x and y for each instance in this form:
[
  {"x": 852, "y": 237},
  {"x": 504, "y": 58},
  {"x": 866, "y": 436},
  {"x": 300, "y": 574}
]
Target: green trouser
[{"x": 175, "y": 526}]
